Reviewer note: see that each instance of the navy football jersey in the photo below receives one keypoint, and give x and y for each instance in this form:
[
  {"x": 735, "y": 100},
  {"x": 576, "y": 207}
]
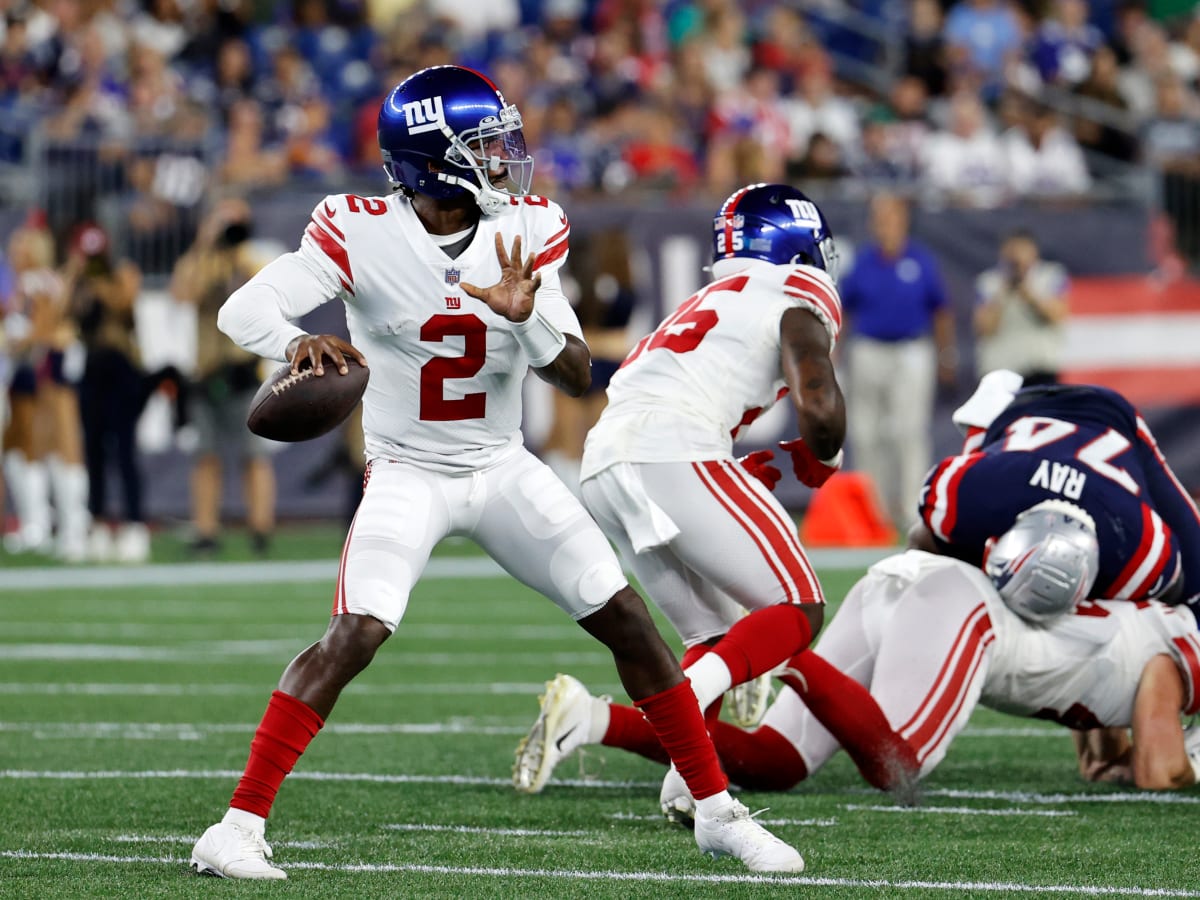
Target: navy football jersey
[{"x": 1090, "y": 447}]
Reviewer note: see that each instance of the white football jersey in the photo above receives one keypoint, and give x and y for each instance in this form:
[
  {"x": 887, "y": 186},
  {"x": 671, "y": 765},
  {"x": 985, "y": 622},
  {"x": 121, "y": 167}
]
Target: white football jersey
[
  {"x": 1084, "y": 669},
  {"x": 446, "y": 372},
  {"x": 709, "y": 370}
]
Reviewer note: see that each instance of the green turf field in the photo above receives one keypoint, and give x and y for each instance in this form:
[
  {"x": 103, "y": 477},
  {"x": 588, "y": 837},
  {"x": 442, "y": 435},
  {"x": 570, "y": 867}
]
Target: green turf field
[{"x": 126, "y": 712}]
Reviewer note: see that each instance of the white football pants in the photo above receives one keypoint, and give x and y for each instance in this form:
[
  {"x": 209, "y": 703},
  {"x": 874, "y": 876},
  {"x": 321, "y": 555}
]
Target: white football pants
[
  {"x": 516, "y": 510},
  {"x": 706, "y": 540}
]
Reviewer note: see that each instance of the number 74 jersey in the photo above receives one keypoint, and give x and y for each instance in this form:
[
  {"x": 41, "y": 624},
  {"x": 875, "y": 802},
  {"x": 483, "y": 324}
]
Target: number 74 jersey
[
  {"x": 710, "y": 368},
  {"x": 1088, "y": 446},
  {"x": 446, "y": 372}
]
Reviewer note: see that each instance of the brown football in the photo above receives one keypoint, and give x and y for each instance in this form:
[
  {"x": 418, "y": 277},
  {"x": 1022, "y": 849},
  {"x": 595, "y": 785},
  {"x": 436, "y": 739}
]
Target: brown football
[{"x": 303, "y": 406}]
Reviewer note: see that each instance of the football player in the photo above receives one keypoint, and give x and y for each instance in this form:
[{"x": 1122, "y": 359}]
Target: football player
[
  {"x": 1020, "y": 639},
  {"x": 1084, "y": 444},
  {"x": 701, "y": 530},
  {"x": 451, "y": 289}
]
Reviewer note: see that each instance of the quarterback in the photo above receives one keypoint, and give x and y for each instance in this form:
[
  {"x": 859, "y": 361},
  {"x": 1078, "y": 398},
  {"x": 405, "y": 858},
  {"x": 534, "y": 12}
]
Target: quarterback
[
  {"x": 451, "y": 290},
  {"x": 701, "y": 530},
  {"x": 1020, "y": 639}
]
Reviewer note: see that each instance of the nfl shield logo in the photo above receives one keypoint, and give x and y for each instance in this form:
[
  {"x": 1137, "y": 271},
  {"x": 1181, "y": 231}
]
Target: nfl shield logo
[{"x": 453, "y": 276}]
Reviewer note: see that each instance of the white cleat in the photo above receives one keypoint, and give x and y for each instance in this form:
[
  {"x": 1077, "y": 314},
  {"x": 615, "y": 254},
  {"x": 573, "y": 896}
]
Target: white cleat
[
  {"x": 732, "y": 831},
  {"x": 231, "y": 851},
  {"x": 676, "y": 800},
  {"x": 748, "y": 701},
  {"x": 561, "y": 727}
]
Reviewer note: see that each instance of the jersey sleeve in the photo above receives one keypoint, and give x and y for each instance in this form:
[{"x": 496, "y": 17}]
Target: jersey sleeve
[
  {"x": 551, "y": 233},
  {"x": 812, "y": 289},
  {"x": 1176, "y": 507},
  {"x": 953, "y": 496},
  {"x": 325, "y": 246},
  {"x": 258, "y": 316}
]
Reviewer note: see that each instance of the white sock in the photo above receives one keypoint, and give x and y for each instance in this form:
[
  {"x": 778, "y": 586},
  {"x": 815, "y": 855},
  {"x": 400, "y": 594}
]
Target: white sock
[
  {"x": 710, "y": 805},
  {"x": 710, "y": 679},
  {"x": 35, "y": 520},
  {"x": 247, "y": 820},
  {"x": 598, "y": 721},
  {"x": 14, "y": 480},
  {"x": 69, "y": 485}
]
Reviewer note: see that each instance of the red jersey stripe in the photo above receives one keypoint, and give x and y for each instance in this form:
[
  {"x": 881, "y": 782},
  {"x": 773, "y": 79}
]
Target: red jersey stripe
[
  {"x": 1189, "y": 653},
  {"x": 956, "y": 649},
  {"x": 549, "y": 255},
  {"x": 334, "y": 251}
]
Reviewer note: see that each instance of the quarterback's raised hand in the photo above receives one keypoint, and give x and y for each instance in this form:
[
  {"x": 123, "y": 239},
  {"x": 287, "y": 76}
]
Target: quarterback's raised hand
[
  {"x": 318, "y": 347},
  {"x": 512, "y": 295},
  {"x": 758, "y": 465},
  {"x": 810, "y": 470}
]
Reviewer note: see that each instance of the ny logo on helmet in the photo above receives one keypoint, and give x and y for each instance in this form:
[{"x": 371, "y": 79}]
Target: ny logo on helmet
[{"x": 424, "y": 115}]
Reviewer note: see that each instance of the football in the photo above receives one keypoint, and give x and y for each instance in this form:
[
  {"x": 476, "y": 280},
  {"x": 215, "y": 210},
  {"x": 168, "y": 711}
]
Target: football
[{"x": 303, "y": 406}]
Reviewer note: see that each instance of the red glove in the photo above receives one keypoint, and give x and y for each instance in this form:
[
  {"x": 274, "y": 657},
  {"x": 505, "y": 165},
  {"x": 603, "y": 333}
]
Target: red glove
[
  {"x": 756, "y": 464},
  {"x": 810, "y": 470}
]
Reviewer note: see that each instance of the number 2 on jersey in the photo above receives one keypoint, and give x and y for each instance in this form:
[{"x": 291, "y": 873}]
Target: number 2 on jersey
[
  {"x": 434, "y": 405},
  {"x": 684, "y": 329}
]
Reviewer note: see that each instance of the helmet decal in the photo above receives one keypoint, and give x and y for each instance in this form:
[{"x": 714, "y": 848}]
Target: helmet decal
[{"x": 775, "y": 223}]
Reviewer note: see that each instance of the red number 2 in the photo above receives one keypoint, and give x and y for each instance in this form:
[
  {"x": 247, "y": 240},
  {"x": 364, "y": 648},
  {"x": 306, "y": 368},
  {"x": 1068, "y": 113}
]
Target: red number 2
[{"x": 434, "y": 405}]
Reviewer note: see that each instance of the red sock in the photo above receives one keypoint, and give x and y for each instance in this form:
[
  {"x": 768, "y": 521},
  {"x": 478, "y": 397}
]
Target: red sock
[
  {"x": 690, "y": 655},
  {"x": 629, "y": 730},
  {"x": 852, "y": 716},
  {"x": 286, "y": 729},
  {"x": 759, "y": 760},
  {"x": 762, "y": 640},
  {"x": 675, "y": 717}
]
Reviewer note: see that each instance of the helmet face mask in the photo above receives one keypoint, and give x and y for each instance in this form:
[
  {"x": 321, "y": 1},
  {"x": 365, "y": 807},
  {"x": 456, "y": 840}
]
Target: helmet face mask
[
  {"x": 775, "y": 223},
  {"x": 447, "y": 132},
  {"x": 1046, "y": 563}
]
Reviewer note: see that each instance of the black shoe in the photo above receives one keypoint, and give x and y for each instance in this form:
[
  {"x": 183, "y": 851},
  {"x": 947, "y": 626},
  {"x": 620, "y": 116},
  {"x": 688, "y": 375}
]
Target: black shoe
[
  {"x": 204, "y": 546},
  {"x": 260, "y": 543}
]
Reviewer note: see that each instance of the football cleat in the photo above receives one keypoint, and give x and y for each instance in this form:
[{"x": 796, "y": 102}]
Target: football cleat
[
  {"x": 748, "y": 701},
  {"x": 676, "y": 800},
  {"x": 732, "y": 831},
  {"x": 227, "y": 850},
  {"x": 561, "y": 727}
]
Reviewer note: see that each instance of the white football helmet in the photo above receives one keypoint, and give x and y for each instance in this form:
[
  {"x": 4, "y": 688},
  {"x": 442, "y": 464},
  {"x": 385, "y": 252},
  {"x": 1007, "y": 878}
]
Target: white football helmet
[{"x": 1046, "y": 562}]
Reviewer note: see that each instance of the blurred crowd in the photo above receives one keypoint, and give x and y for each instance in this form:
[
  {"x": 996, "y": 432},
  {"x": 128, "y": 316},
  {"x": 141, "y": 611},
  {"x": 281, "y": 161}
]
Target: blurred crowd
[{"x": 683, "y": 95}]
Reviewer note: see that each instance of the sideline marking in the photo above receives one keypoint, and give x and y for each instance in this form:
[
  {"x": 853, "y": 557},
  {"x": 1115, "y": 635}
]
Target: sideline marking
[
  {"x": 291, "y": 571},
  {"x": 574, "y": 875},
  {"x": 474, "y": 829},
  {"x": 960, "y": 810}
]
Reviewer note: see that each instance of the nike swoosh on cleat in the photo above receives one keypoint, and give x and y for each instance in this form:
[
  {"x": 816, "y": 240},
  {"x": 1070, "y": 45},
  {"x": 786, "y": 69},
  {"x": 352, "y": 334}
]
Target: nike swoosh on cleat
[{"x": 559, "y": 742}]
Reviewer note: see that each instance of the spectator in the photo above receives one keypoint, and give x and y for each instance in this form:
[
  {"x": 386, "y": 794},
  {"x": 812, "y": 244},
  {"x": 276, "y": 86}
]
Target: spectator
[
  {"x": 248, "y": 162},
  {"x": 982, "y": 36},
  {"x": 901, "y": 347},
  {"x": 1064, "y": 44},
  {"x": 908, "y": 124},
  {"x": 750, "y": 135},
  {"x": 819, "y": 109},
  {"x": 1103, "y": 86},
  {"x": 966, "y": 164},
  {"x": 726, "y": 56},
  {"x": 226, "y": 378},
  {"x": 659, "y": 158},
  {"x": 924, "y": 46},
  {"x": 1044, "y": 160},
  {"x": 1022, "y": 308},
  {"x": 1171, "y": 144},
  {"x": 822, "y": 161},
  {"x": 102, "y": 292},
  {"x": 1151, "y": 62}
]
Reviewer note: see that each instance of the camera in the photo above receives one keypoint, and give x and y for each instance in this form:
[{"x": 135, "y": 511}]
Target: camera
[{"x": 234, "y": 233}]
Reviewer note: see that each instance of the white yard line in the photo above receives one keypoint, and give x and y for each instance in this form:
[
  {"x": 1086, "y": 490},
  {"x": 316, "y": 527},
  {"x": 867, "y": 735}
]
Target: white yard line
[
  {"x": 958, "y": 887},
  {"x": 302, "y": 775},
  {"x": 959, "y": 810},
  {"x": 177, "y": 689},
  {"x": 798, "y": 823},
  {"x": 292, "y": 571},
  {"x": 1165, "y": 798},
  {"x": 471, "y": 829},
  {"x": 189, "y": 839},
  {"x": 197, "y": 730}
]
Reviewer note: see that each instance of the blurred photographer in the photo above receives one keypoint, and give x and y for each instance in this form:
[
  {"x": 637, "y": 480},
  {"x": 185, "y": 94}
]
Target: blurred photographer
[
  {"x": 226, "y": 377},
  {"x": 1022, "y": 311}
]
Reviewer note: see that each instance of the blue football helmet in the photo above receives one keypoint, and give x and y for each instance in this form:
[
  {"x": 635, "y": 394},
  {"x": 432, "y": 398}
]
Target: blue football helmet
[
  {"x": 1046, "y": 563},
  {"x": 775, "y": 223},
  {"x": 458, "y": 120}
]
